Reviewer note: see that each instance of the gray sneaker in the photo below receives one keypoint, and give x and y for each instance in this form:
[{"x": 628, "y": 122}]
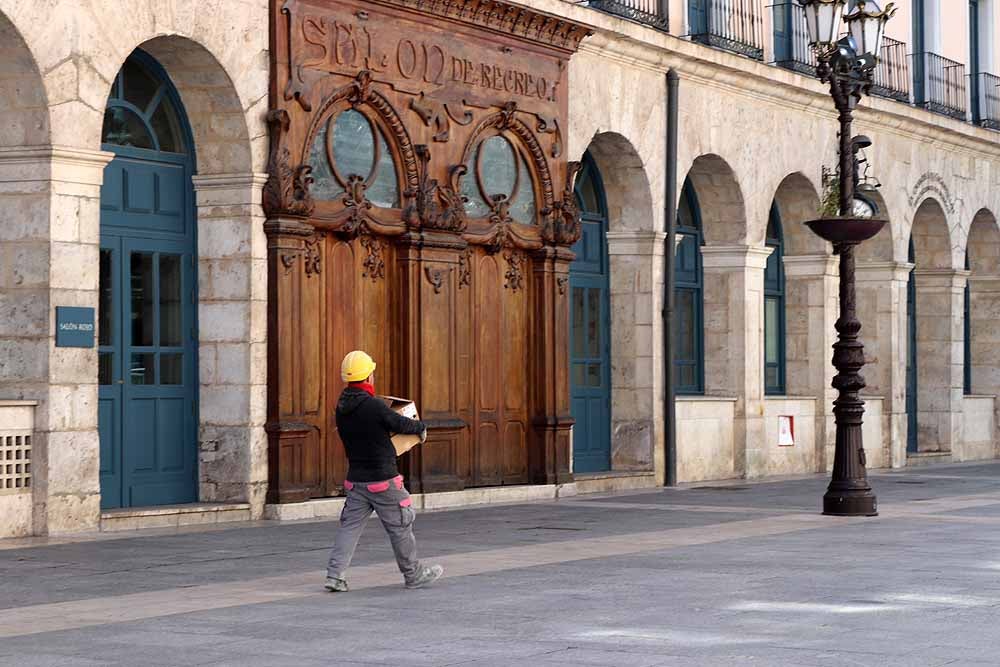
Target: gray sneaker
[
  {"x": 335, "y": 585},
  {"x": 426, "y": 576}
]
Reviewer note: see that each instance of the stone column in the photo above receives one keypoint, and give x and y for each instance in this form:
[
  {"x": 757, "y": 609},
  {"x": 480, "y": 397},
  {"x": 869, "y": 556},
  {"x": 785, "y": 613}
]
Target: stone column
[
  {"x": 734, "y": 344},
  {"x": 984, "y": 304},
  {"x": 232, "y": 333},
  {"x": 636, "y": 269},
  {"x": 811, "y": 307},
  {"x": 940, "y": 357},
  {"x": 49, "y": 257},
  {"x": 882, "y": 310}
]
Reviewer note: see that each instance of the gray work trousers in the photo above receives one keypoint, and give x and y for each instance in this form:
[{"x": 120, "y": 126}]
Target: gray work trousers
[{"x": 391, "y": 502}]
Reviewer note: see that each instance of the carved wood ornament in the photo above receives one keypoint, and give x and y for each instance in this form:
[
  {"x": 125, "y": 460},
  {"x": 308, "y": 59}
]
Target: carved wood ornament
[{"x": 416, "y": 171}]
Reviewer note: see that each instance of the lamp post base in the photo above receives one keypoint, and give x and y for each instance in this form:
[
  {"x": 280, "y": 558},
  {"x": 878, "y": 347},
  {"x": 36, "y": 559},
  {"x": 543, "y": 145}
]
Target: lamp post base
[{"x": 850, "y": 502}]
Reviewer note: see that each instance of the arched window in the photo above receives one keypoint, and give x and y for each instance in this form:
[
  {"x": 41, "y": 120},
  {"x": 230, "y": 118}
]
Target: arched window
[
  {"x": 497, "y": 173},
  {"x": 348, "y": 147},
  {"x": 967, "y": 327},
  {"x": 689, "y": 361},
  {"x": 774, "y": 308},
  {"x": 142, "y": 111}
]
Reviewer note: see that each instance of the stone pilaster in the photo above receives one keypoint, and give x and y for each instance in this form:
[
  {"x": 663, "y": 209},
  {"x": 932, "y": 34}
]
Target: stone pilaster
[
  {"x": 881, "y": 288},
  {"x": 734, "y": 344},
  {"x": 940, "y": 357},
  {"x": 49, "y": 257},
  {"x": 232, "y": 310},
  {"x": 636, "y": 259},
  {"x": 811, "y": 307},
  {"x": 984, "y": 297}
]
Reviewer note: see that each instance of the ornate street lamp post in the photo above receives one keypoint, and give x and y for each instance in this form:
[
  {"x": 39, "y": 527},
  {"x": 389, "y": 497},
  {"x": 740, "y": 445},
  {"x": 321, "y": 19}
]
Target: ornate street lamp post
[{"x": 847, "y": 64}]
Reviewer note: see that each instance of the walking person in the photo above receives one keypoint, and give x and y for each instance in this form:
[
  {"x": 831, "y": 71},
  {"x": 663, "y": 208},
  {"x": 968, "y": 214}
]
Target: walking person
[{"x": 366, "y": 425}]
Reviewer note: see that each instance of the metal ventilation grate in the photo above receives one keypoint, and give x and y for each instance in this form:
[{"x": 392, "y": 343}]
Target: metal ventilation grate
[{"x": 15, "y": 462}]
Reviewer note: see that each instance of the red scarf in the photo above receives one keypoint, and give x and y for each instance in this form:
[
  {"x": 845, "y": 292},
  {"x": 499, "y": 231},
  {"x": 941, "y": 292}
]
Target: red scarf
[{"x": 364, "y": 386}]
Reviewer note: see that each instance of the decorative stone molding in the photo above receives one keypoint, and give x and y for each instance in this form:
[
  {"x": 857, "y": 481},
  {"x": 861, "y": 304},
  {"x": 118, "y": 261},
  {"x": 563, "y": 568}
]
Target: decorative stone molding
[
  {"x": 883, "y": 272},
  {"x": 637, "y": 242},
  {"x": 53, "y": 163},
  {"x": 229, "y": 189},
  {"x": 503, "y": 17},
  {"x": 735, "y": 257},
  {"x": 806, "y": 266},
  {"x": 938, "y": 280}
]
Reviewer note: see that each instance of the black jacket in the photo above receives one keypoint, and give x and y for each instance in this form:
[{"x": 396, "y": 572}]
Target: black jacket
[{"x": 366, "y": 425}]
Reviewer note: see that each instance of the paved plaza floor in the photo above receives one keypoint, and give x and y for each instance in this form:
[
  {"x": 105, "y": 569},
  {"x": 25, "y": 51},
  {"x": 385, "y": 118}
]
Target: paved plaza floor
[{"x": 735, "y": 574}]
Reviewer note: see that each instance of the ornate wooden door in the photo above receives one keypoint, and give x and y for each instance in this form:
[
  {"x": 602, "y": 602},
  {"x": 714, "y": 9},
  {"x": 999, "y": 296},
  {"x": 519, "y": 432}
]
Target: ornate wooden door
[{"x": 419, "y": 207}]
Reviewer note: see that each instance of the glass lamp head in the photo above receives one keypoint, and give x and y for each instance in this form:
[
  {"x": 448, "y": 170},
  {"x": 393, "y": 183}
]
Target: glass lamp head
[
  {"x": 823, "y": 21},
  {"x": 866, "y": 24}
]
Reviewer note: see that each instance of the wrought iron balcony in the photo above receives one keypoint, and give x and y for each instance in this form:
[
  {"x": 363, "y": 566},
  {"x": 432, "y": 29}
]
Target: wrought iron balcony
[
  {"x": 939, "y": 85},
  {"x": 650, "y": 12},
  {"x": 892, "y": 76},
  {"x": 733, "y": 25},
  {"x": 791, "y": 39},
  {"x": 986, "y": 100}
]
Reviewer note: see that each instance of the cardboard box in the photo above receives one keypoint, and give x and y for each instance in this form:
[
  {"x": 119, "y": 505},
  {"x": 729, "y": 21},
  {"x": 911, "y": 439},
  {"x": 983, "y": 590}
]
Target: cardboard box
[{"x": 404, "y": 406}]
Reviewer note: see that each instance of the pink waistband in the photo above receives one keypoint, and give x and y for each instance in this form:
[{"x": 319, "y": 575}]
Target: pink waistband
[{"x": 378, "y": 487}]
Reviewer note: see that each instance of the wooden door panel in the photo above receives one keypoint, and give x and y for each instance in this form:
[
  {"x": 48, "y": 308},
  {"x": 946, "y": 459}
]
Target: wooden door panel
[
  {"x": 488, "y": 449},
  {"x": 515, "y": 454},
  {"x": 437, "y": 316}
]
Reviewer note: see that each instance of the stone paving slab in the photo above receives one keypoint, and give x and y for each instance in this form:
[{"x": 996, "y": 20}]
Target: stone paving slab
[{"x": 665, "y": 580}]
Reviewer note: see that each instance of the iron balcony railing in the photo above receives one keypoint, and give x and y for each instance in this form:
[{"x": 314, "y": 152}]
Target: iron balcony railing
[
  {"x": 986, "y": 100},
  {"x": 733, "y": 25},
  {"x": 892, "y": 75},
  {"x": 650, "y": 12},
  {"x": 940, "y": 85},
  {"x": 791, "y": 39}
]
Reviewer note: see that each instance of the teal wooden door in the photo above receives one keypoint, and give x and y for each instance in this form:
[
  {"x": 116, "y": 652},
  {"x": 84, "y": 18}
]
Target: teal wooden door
[
  {"x": 147, "y": 334},
  {"x": 590, "y": 344}
]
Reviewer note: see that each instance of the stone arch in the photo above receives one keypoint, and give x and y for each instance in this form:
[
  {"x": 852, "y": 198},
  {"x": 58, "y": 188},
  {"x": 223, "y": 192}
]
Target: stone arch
[
  {"x": 720, "y": 198},
  {"x": 983, "y": 302},
  {"x": 231, "y": 256},
  {"x": 880, "y": 248},
  {"x": 806, "y": 264},
  {"x": 24, "y": 117},
  {"x": 938, "y": 360},
  {"x": 626, "y": 183},
  {"x": 635, "y": 254},
  {"x": 983, "y": 244},
  {"x": 798, "y": 201},
  {"x": 211, "y": 102},
  {"x": 931, "y": 236},
  {"x": 26, "y": 255}
]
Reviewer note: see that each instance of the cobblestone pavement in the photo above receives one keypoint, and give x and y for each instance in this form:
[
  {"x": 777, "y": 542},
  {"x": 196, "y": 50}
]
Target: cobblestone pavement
[{"x": 734, "y": 574}]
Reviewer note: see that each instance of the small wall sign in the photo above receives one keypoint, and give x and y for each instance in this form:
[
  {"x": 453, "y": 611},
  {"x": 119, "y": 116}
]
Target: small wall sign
[
  {"x": 74, "y": 327},
  {"x": 786, "y": 431}
]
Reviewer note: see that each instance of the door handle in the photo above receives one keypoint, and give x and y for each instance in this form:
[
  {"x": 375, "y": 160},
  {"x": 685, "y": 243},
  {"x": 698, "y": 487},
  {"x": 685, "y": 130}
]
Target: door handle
[{"x": 121, "y": 381}]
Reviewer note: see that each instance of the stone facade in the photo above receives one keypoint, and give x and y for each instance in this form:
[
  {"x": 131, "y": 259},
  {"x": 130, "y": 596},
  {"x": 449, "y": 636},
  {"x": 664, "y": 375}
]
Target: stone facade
[
  {"x": 750, "y": 135},
  {"x": 57, "y": 63}
]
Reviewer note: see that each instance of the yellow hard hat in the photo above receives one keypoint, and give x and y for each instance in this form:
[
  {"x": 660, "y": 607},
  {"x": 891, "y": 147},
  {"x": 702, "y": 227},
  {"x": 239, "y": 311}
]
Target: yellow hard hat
[{"x": 357, "y": 367}]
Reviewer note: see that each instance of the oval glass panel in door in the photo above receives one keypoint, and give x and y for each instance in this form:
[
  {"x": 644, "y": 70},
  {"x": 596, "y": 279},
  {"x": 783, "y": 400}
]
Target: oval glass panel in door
[
  {"x": 498, "y": 171},
  {"x": 351, "y": 145},
  {"x": 522, "y": 208}
]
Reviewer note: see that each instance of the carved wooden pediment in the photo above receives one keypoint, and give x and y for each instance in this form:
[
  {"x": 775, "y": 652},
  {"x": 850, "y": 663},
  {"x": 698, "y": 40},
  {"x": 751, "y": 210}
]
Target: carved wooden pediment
[{"x": 433, "y": 79}]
